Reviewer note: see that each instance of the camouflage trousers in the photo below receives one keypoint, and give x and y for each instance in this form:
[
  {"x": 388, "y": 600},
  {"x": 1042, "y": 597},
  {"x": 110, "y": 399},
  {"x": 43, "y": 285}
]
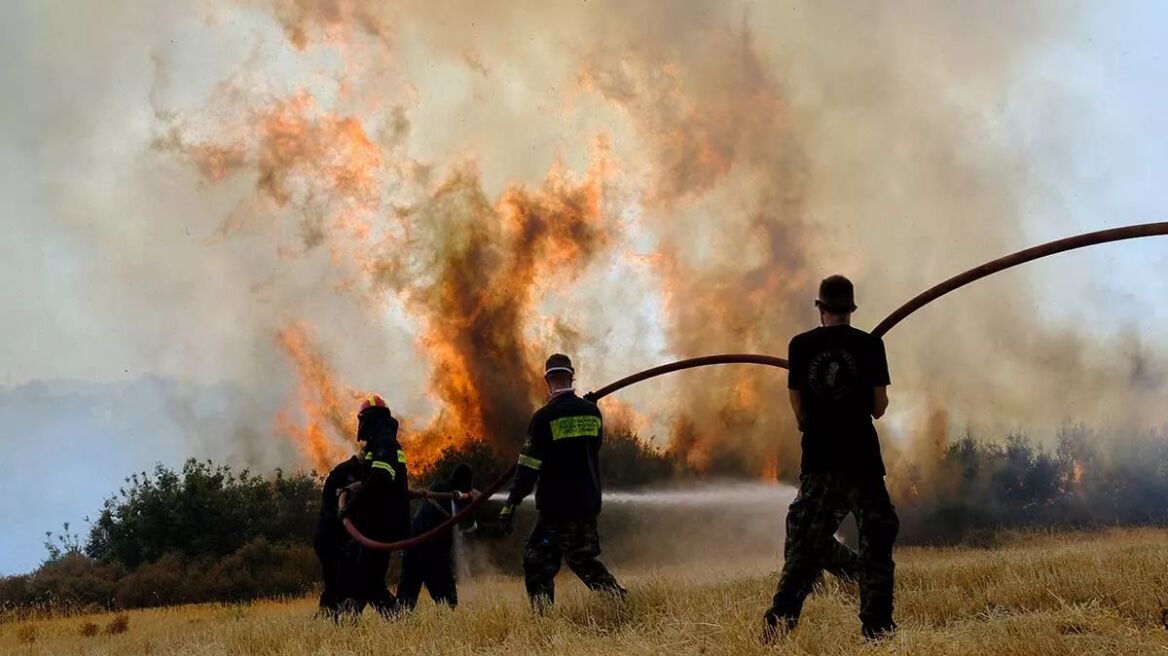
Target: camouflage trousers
[
  {"x": 575, "y": 542},
  {"x": 823, "y": 502}
]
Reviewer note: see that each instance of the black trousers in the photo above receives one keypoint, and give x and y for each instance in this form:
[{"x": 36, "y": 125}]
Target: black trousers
[
  {"x": 328, "y": 544},
  {"x": 432, "y": 567},
  {"x": 361, "y": 580},
  {"x": 823, "y": 502}
]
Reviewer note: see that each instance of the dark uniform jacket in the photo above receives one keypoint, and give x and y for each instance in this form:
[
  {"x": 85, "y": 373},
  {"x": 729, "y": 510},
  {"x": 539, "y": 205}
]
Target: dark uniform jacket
[
  {"x": 381, "y": 508},
  {"x": 329, "y": 530},
  {"x": 562, "y": 454},
  {"x": 431, "y": 513}
]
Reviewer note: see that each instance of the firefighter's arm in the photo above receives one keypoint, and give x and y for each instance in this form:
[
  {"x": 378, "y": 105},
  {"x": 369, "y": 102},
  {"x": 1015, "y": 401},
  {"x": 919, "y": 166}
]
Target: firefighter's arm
[
  {"x": 453, "y": 495},
  {"x": 879, "y": 401},
  {"x": 880, "y": 379},
  {"x": 526, "y": 472},
  {"x": 797, "y": 405}
]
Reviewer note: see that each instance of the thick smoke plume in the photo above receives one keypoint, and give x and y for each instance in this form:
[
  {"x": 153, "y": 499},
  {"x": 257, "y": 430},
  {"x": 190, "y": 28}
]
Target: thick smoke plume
[{"x": 633, "y": 184}]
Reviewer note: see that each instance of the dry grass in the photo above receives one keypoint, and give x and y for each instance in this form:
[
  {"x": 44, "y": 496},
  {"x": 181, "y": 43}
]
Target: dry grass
[{"x": 1056, "y": 594}]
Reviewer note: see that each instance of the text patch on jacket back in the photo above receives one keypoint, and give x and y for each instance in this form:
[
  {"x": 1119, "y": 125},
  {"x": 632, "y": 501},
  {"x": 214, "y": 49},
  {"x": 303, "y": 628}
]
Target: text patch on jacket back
[{"x": 578, "y": 426}]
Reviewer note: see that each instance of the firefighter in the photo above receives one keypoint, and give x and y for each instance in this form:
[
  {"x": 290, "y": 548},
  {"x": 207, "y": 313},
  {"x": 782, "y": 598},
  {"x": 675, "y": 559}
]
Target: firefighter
[
  {"x": 838, "y": 382},
  {"x": 329, "y": 537},
  {"x": 432, "y": 564},
  {"x": 562, "y": 456},
  {"x": 377, "y": 504}
]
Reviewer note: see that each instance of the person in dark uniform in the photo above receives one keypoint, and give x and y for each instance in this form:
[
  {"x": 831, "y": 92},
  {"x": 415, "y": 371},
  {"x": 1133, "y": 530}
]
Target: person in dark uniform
[
  {"x": 561, "y": 455},
  {"x": 432, "y": 564},
  {"x": 838, "y": 382},
  {"x": 378, "y": 489},
  {"x": 329, "y": 537}
]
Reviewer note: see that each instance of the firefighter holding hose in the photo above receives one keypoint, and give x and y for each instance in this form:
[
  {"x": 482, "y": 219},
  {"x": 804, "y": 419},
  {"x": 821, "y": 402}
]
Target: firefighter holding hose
[
  {"x": 838, "y": 382},
  {"x": 380, "y": 506},
  {"x": 376, "y": 484},
  {"x": 432, "y": 564},
  {"x": 562, "y": 457}
]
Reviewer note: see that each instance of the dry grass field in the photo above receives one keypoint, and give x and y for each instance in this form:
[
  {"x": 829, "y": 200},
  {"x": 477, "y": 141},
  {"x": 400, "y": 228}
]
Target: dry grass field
[{"x": 1038, "y": 594}]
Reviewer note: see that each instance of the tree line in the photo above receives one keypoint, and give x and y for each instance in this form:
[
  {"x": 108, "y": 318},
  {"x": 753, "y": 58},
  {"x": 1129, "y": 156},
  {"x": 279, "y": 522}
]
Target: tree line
[{"x": 206, "y": 532}]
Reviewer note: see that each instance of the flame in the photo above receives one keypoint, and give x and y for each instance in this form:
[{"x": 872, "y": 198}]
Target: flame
[
  {"x": 473, "y": 307},
  {"x": 327, "y": 406},
  {"x": 475, "y": 313},
  {"x": 720, "y": 189},
  {"x": 770, "y": 470}
]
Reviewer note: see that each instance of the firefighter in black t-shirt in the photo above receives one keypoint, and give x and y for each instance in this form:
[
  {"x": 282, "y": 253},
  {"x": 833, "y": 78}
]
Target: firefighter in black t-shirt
[
  {"x": 562, "y": 454},
  {"x": 838, "y": 382}
]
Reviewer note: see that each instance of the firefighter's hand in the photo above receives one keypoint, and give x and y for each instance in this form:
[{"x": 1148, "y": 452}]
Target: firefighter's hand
[
  {"x": 591, "y": 397},
  {"x": 464, "y": 497},
  {"x": 351, "y": 489},
  {"x": 505, "y": 517}
]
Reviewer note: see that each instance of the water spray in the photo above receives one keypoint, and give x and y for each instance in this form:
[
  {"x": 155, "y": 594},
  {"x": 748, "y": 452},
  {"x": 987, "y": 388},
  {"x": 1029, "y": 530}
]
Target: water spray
[{"x": 919, "y": 301}]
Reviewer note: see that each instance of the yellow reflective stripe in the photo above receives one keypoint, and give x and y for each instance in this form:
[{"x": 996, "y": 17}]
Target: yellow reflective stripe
[
  {"x": 580, "y": 426},
  {"x": 401, "y": 456},
  {"x": 379, "y": 464},
  {"x": 368, "y": 456},
  {"x": 529, "y": 462}
]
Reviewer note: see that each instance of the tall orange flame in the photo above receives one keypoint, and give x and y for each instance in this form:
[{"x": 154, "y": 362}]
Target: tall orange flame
[{"x": 327, "y": 407}]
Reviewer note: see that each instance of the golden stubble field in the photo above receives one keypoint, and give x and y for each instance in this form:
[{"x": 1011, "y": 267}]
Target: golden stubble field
[{"x": 1038, "y": 594}]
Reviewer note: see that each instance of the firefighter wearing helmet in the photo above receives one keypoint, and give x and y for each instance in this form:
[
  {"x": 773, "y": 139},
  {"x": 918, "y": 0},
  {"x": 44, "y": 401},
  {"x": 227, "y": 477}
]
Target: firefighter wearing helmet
[
  {"x": 377, "y": 485},
  {"x": 561, "y": 460}
]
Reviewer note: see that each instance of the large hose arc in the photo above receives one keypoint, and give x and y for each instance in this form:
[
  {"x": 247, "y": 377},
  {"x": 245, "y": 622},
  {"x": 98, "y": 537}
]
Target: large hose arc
[{"x": 920, "y": 300}]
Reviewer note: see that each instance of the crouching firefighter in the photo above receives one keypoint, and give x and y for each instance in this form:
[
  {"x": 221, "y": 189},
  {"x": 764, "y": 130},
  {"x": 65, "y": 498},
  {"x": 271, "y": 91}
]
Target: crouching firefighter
[
  {"x": 562, "y": 456},
  {"x": 432, "y": 564},
  {"x": 375, "y": 482}
]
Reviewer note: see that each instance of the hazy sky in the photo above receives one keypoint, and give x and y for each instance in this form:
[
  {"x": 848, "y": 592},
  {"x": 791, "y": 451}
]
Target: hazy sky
[{"x": 98, "y": 225}]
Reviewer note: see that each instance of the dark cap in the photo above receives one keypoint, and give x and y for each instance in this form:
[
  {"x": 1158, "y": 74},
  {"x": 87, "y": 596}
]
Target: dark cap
[
  {"x": 461, "y": 478},
  {"x": 836, "y": 294},
  {"x": 558, "y": 362}
]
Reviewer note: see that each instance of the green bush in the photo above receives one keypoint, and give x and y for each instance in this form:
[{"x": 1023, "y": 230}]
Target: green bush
[{"x": 204, "y": 510}]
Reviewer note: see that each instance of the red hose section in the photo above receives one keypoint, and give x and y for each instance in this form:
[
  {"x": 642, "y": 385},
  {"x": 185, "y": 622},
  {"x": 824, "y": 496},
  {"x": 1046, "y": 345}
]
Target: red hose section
[
  {"x": 460, "y": 516},
  {"x": 919, "y": 301},
  {"x": 1014, "y": 259}
]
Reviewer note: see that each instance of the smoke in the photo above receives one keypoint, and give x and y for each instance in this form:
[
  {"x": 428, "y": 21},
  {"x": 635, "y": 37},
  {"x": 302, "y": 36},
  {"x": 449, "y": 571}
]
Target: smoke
[
  {"x": 736, "y": 520},
  {"x": 424, "y": 201}
]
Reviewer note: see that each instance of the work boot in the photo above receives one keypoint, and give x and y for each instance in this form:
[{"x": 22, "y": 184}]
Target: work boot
[
  {"x": 776, "y": 627},
  {"x": 878, "y": 633},
  {"x": 615, "y": 590}
]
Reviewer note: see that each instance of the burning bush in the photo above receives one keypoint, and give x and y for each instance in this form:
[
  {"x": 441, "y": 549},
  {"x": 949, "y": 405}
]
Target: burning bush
[{"x": 1090, "y": 479}]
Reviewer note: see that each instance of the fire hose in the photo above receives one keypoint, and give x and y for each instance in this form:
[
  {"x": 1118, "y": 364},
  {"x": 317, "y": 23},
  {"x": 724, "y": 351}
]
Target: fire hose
[{"x": 924, "y": 298}]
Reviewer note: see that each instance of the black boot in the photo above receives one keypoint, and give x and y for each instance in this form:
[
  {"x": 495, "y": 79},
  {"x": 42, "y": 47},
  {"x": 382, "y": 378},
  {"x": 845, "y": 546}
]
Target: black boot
[
  {"x": 878, "y": 633},
  {"x": 776, "y": 626}
]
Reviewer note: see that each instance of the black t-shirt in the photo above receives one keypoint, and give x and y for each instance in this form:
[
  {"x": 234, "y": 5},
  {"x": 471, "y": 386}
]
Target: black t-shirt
[{"x": 835, "y": 369}]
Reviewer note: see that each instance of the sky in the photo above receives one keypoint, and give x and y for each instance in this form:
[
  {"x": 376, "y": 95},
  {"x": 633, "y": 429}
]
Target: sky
[{"x": 122, "y": 301}]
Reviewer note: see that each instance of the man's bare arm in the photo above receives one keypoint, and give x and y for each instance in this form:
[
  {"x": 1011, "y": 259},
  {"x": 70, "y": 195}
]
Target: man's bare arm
[
  {"x": 879, "y": 401},
  {"x": 797, "y": 406}
]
